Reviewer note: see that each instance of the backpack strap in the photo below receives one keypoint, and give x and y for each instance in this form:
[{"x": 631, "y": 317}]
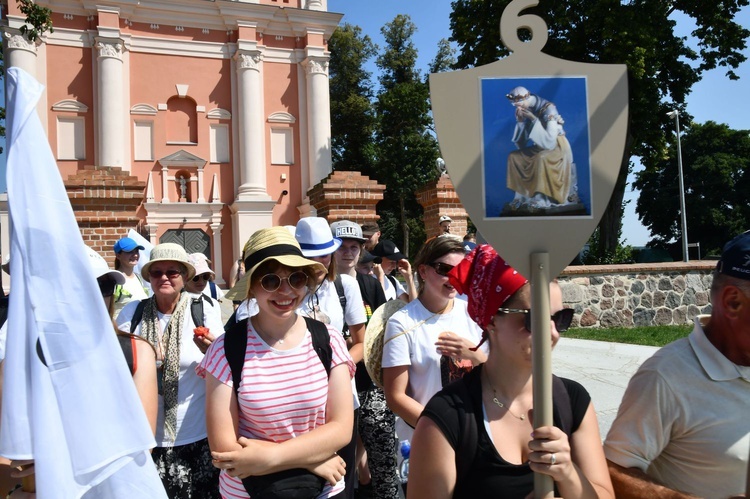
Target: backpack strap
[
  {"x": 235, "y": 344},
  {"x": 467, "y": 449},
  {"x": 231, "y": 321},
  {"x": 393, "y": 282},
  {"x": 137, "y": 315},
  {"x": 212, "y": 287},
  {"x": 565, "y": 411},
  {"x": 321, "y": 341},
  {"x": 342, "y": 300},
  {"x": 196, "y": 309}
]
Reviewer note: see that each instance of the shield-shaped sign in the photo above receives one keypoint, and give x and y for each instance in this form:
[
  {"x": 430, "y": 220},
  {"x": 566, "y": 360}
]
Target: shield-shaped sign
[{"x": 533, "y": 144}]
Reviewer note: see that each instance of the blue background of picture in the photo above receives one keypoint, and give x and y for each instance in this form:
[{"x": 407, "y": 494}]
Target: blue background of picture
[{"x": 498, "y": 122}]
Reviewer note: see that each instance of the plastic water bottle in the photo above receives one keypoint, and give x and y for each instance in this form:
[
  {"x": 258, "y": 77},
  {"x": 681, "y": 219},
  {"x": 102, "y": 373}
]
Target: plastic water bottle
[{"x": 405, "y": 451}]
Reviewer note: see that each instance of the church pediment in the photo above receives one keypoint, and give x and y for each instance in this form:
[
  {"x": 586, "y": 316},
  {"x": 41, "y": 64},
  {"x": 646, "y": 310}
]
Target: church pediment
[{"x": 183, "y": 159}]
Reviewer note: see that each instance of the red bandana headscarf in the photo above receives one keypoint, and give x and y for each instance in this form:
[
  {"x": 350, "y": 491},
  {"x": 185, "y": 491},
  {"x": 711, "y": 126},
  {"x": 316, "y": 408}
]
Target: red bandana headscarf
[{"x": 485, "y": 278}]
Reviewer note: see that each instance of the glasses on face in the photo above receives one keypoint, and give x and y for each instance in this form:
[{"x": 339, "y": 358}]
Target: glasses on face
[
  {"x": 562, "y": 318},
  {"x": 171, "y": 273},
  {"x": 205, "y": 277},
  {"x": 106, "y": 287},
  {"x": 440, "y": 268},
  {"x": 272, "y": 282}
]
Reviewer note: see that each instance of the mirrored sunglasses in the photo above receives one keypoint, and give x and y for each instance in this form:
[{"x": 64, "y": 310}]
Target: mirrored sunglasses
[
  {"x": 562, "y": 318},
  {"x": 441, "y": 269},
  {"x": 171, "y": 274},
  {"x": 106, "y": 286},
  {"x": 205, "y": 277},
  {"x": 272, "y": 282}
]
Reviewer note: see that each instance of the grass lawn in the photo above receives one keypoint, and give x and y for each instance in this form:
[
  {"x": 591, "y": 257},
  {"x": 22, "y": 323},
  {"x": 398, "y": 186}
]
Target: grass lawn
[{"x": 649, "y": 335}]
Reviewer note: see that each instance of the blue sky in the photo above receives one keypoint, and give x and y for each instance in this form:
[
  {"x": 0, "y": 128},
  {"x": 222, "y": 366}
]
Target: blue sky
[{"x": 715, "y": 98}]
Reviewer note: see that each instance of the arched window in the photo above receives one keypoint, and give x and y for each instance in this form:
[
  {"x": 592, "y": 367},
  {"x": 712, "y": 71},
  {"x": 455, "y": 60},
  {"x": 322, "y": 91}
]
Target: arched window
[{"x": 182, "y": 121}]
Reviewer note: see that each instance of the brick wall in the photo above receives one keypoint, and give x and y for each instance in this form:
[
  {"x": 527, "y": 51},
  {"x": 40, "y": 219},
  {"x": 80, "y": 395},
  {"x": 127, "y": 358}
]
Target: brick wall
[
  {"x": 344, "y": 195},
  {"x": 439, "y": 198},
  {"x": 105, "y": 201}
]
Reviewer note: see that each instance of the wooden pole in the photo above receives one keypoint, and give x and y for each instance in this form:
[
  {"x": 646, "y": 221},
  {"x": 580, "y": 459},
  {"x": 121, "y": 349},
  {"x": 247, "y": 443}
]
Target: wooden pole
[{"x": 541, "y": 351}]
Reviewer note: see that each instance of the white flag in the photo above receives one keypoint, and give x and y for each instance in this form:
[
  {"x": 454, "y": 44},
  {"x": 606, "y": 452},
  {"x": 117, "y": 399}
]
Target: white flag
[{"x": 79, "y": 417}]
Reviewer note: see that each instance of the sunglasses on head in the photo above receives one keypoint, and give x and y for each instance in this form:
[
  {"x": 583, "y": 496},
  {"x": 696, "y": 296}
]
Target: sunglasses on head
[
  {"x": 562, "y": 318},
  {"x": 171, "y": 274},
  {"x": 205, "y": 277},
  {"x": 106, "y": 287},
  {"x": 440, "y": 268},
  {"x": 272, "y": 282}
]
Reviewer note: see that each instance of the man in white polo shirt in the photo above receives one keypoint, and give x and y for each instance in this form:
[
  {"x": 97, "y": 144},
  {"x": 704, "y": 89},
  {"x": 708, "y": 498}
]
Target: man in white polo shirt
[{"x": 683, "y": 427}]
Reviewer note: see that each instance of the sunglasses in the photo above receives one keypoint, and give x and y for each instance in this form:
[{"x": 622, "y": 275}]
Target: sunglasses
[
  {"x": 171, "y": 274},
  {"x": 562, "y": 319},
  {"x": 205, "y": 277},
  {"x": 440, "y": 268},
  {"x": 106, "y": 287},
  {"x": 272, "y": 282}
]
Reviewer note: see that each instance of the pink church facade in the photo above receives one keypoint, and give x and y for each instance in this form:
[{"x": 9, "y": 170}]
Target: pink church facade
[{"x": 220, "y": 107}]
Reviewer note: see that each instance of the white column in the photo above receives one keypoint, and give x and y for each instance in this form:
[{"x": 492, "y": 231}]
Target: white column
[
  {"x": 164, "y": 184},
  {"x": 110, "y": 110},
  {"x": 20, "y": 51},
  {"x": 318, "y": 118},
  {"x": 216, "y": 239},
  {"x": 251, "y": 129}
]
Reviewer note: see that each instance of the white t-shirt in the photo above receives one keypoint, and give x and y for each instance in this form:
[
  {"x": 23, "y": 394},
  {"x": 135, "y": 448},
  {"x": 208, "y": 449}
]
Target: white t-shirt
[
  {"x": 135, "y": 292},
  {"x": 416, "y": 348},
  {"x": 328, "y": 303},
  {"x": 191, "y": 390},
  {"x": 391, "y": 292}
]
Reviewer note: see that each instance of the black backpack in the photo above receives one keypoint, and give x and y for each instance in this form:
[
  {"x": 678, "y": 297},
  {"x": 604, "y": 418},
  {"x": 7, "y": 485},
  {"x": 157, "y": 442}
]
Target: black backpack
[
  {"x": 196, "y": 311},
  {"x": 235, "y": 344}
]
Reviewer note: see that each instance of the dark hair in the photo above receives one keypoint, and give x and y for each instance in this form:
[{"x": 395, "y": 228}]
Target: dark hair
[
  {"x": 370, "y": 228},
  {"x": 720, "y": 281},
  {"x": 433, "y": 249}
]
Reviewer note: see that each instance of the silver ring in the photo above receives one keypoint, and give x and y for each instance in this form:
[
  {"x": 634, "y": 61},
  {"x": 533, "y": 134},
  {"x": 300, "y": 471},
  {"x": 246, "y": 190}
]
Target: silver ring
[{"x": 552, "y": 459}]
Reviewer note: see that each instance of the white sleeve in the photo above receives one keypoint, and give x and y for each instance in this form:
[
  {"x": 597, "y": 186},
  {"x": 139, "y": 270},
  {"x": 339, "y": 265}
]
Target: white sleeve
[
  {"x": 644, "y": 420},
  {"x": 3, "y": 337},
  {"x": 212, "y": 317},
  {"x": 355, "y": 307},
  {"x": 396, "y": 348}
]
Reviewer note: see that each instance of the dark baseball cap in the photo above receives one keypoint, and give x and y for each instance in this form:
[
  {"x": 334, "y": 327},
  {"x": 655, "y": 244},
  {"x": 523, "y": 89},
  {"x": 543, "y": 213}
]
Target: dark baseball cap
[
  {"x": 388, "y": 249},
  {"x": 735, "y": 257},
  {"x": 368, "y": 257}
]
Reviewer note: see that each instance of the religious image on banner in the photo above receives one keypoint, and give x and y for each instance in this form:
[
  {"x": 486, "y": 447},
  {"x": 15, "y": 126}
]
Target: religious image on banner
[{"x": 535, "y": 146}]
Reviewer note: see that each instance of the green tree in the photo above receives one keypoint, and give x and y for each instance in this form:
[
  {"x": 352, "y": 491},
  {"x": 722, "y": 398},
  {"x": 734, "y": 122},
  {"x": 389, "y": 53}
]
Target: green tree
[
  {"x": 716, "y": 172},
  {"x": 352, "y": 113},
  {"x": 406, "y": 148},
  {"x": 662, "y": 67}
]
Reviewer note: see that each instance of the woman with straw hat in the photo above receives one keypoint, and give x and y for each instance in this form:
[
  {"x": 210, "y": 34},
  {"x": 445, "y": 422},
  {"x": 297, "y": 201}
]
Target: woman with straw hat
[
  {"x": 475, "y": 438},
  {"x": 182, "y": 454},
  {"x": 287, "y": 413}
]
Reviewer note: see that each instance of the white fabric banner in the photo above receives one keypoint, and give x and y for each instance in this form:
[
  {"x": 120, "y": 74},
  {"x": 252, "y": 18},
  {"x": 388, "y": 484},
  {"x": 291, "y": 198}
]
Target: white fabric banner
[{"x": 79, "y": 417}]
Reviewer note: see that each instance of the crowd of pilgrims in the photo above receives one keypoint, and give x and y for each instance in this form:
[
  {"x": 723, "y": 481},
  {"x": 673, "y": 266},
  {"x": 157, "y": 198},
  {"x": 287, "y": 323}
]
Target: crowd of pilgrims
[{"x": 247, "y": 406}]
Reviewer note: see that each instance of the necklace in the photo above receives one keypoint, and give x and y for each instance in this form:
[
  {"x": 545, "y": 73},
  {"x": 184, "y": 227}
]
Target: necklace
[{"x": 522, "y": 417}]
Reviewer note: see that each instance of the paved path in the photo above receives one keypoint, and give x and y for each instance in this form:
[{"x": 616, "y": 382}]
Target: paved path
[{"x": 603, "y": 368}]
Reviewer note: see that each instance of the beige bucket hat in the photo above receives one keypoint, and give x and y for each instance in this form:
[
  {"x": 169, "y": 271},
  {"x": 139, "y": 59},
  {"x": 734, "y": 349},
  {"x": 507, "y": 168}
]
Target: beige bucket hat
[
  {"x": 168, "y": 252},
  {"x": 374, "y": 336}
]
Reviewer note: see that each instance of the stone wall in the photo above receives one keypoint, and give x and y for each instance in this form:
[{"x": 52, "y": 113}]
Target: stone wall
[{"x": 637, "y": 295}]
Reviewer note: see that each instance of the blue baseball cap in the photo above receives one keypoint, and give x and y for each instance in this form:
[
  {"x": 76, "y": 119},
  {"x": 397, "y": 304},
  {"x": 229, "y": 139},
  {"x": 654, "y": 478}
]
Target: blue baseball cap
[
  {"x": 127, "y": 244},
  {"x": 469, "y": 247},
  {"x": 735, "y": 257}
]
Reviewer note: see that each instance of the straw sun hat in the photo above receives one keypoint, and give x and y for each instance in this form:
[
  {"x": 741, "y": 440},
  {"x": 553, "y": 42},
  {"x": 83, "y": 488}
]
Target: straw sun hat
[
  {"x": 374, "y": 335},
  {"x": 169, "y": 252},
  {"x": 276, "y": 244}
]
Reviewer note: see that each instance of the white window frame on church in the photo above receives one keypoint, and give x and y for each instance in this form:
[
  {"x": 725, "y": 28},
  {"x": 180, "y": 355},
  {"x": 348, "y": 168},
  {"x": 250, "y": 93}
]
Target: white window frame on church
[
  {"x": 71, "y": 138},
  {"x": 282, "y": 146},
  {"x": 219, "y": 140},
  {"x": 143, "y": 140}
]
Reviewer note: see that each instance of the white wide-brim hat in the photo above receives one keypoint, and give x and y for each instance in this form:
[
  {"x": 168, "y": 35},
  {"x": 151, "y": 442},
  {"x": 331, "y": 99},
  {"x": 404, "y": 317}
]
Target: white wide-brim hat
[
  {"x": 314, "y": 237},
  {"x": 168, "y": 252},
  {"x": 100, "y": 267}
]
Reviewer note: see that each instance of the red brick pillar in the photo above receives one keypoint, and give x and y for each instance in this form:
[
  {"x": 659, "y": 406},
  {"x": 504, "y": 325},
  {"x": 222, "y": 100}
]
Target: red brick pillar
[
  {"x": 344, "y": 195},
  {"x": 439, "y": 198},
  {"x": 105, "y": 201}
]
